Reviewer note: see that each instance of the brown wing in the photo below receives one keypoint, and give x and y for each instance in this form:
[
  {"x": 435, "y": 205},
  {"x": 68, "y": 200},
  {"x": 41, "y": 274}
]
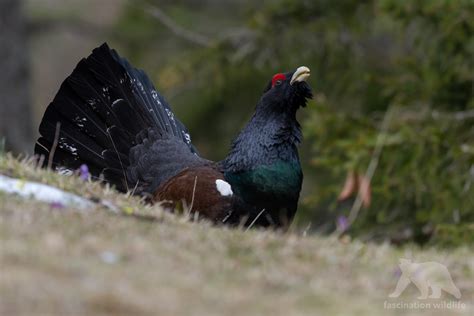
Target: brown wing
[{"x": 201, "y": 189}]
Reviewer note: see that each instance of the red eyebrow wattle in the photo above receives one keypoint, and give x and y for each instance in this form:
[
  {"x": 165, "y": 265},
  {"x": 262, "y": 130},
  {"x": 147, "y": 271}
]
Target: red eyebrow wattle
[{"x": 277, "y": 77}]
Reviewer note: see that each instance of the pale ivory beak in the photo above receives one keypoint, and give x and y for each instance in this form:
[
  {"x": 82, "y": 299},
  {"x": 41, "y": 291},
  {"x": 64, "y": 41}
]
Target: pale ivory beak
[{"x": 300, "y": 74}]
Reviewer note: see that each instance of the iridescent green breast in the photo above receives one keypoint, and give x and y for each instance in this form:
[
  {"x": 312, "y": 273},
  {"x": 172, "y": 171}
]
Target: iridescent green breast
[{"x": 270, "y": 184}]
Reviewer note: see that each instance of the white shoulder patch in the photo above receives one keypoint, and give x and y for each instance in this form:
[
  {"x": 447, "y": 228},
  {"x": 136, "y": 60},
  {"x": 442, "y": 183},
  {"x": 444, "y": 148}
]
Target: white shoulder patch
[{"x": 224, "y": 188}]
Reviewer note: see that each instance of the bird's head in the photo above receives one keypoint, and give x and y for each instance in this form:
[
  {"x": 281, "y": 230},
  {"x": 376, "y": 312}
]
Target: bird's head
[{"x": 287, "y": 91}]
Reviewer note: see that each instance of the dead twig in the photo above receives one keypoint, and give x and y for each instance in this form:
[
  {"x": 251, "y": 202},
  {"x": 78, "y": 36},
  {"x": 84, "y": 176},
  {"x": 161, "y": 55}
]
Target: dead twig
[
  {"x": 254, "y": 220},
  {"x": 119, "y": 159},
  {"x": 177, "y": 29},
  {"x": 194, "y": 193},
  {"x": 380, "y": 142},
  {"x": 464, "y": 115},
  {"x": 54, "y": 146}
]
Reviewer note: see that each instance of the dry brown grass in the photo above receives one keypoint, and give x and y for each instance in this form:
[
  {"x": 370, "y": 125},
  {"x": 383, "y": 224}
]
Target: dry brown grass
[{"x": 63, "y": 262}]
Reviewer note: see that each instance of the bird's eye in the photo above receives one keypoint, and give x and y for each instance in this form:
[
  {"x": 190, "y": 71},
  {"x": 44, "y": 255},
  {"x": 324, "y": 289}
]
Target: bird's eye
[{"x": 278, "y": 79}]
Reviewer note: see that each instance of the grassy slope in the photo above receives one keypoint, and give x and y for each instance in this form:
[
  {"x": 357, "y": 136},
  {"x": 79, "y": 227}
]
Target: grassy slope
[{"x": 60, "y": 261}]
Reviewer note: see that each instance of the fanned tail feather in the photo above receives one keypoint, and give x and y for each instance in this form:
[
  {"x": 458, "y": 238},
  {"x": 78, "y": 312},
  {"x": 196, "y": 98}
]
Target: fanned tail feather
[{"x": 105, "y": 107}]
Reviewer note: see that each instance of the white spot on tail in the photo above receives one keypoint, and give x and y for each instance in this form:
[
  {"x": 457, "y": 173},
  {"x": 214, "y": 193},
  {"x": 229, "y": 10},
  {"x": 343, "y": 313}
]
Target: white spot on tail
[
  {"x": 187, "y": 137},
  {"x": 116, "y": 101},
  {"x": 64, "y": 171},
  {"x": 224, "y": 188}
]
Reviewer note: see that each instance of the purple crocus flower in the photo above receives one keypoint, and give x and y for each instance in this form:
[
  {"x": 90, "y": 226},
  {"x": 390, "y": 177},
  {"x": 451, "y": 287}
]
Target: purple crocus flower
[
  {"x": 84, "y": 172},
  {"x": 342, "y": 223},
  {"x": 56, "y": 205}
]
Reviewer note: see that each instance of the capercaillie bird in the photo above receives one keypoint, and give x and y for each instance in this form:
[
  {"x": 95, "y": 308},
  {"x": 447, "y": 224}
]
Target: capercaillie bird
[{"x": 108, "y": 115}]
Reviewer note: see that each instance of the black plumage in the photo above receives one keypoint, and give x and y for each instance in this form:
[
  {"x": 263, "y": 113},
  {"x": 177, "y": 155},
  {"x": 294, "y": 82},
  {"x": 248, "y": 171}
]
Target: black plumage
[
  {"x": 106, "y": 108},
  {"x": 110, "y": 117}
]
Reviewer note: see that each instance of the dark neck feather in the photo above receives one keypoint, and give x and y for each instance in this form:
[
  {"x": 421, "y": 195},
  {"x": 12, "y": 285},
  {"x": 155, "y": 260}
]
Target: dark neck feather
[{"x": 266, "y": 138}]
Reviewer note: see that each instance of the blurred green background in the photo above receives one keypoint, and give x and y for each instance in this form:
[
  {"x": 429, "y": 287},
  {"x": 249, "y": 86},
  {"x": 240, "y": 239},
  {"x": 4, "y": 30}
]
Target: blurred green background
[{"x": 409, "y": 64}]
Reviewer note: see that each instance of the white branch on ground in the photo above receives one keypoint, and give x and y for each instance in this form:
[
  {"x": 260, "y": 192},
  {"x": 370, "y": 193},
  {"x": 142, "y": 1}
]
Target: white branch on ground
[{"x": 43, "y": 193}]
